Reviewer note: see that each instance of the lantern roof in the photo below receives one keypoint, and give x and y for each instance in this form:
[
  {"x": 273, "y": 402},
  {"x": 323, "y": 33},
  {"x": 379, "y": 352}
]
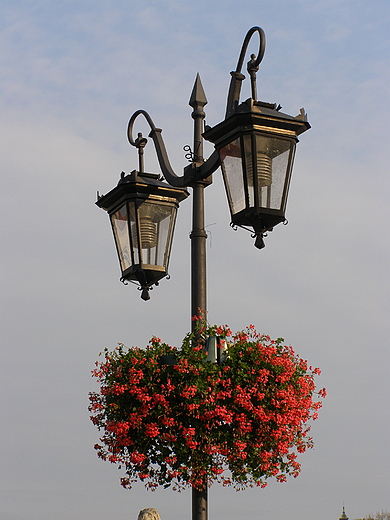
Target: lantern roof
[
  {"x": 258, "y": 115},
  {"x": 142, "y": 185}
]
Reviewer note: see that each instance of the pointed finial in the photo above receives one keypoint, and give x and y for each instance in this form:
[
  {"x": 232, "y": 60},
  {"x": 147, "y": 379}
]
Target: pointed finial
[
  {"x": 343, "y": 516},
  {"x": 197, "y": 101},
  {"x": 198, "y": 97}
]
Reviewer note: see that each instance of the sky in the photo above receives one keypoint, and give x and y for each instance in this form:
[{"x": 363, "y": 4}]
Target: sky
[{"x": 72, "y": 74}]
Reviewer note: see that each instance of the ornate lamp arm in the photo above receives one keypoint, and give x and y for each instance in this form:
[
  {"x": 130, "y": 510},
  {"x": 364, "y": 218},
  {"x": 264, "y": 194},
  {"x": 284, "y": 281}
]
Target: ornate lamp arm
[
  {"x": 155, "y": 134},
  {"x": 192, "y": 173},
  {"x": 253, "y": 67}
]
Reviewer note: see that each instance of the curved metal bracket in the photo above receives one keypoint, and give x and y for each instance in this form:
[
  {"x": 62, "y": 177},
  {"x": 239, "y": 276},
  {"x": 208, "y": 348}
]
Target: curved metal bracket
[
  {"x": 155, "y": 134},
  {"x": 191, "y": 173},
  {"x": 252, "y": 68}
]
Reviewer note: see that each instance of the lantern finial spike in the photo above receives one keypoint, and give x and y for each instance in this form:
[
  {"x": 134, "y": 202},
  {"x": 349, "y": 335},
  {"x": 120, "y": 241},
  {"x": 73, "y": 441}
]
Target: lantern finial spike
[
  {"x": 259, "y": 242},
  {"x": 140, "y": 144},
  {"x": 252, "y": 68},
  {"x": 145, "y": 294}
]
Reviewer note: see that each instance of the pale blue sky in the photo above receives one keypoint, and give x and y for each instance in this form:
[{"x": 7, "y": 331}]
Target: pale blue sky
[{"x": 71, "y": 75}]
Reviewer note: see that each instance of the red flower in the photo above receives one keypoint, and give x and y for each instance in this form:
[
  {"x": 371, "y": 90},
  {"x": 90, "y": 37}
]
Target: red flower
[
  {"x": 137, "y": 458},
  {"x": 185, "y": 424},
  {"x": 151, "y": 430}
]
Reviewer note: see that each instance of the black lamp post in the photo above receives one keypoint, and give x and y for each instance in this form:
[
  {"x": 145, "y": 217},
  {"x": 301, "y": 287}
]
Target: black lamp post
[{"x": 255, "y": 147}]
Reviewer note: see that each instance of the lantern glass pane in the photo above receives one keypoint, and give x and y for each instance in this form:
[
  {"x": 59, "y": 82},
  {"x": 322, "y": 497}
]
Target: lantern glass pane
[
  {"x": 272, "y": 170},
  {"x": 249, "y": 169},
  {"x": 280, "y": 172},
  {"x": 165, "y": 236},
  {"x": 156, "y": 227},
  {"x": 233, "y": 176},
  {"x": 134, "y": 233},
  {"x": 121, "y": 234}
]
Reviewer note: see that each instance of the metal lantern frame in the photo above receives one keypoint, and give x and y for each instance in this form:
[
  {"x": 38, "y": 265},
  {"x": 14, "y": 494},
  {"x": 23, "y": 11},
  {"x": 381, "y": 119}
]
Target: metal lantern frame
[
  {"x": 254, "y": 137},
  {"x": 137, "y": 206}
]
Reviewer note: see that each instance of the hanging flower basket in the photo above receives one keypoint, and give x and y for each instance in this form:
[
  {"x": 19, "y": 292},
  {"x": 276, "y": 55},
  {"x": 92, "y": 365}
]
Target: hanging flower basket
[{"x": 169, "y": 417}]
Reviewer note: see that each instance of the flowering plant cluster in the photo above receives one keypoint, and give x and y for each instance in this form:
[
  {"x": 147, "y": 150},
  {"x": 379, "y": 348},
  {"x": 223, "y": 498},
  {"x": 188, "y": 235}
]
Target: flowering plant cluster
[{"x": 169, "y": 417}]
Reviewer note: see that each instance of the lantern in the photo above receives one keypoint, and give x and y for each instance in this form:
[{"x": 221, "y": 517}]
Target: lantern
[
  {"x": 216, "y": 349},
  {"x": 256, "y": 146},
  {"x": 142, "y": 211}
]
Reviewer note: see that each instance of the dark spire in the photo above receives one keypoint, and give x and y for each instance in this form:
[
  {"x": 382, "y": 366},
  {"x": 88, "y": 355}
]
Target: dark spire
[{"x": 198, "y": 97}]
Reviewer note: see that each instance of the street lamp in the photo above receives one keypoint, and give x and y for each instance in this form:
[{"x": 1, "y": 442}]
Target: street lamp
[
  {"x": 256, "y": 144},
  {"x": 255, "y": 147},
  {"x": 142, "y": 211}
]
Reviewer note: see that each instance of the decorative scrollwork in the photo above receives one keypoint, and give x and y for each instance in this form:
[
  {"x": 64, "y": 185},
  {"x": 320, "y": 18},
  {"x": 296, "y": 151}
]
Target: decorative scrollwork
[
  {"x": 190, "y": 156},
  {"x": 190, "y": 175},
  {"x": 132, "y": 141}
]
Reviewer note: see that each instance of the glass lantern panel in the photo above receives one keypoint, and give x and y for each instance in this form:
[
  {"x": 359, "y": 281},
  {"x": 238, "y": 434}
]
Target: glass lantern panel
[
  {"x": 165, "y": 236},
  {"x": 134, "y": 234},
  {"x": 230, "y": 156},
  {"x": 156, "y": 225},
  {"x": 121, "y": 234},
  {"x": 272, "y": 166},
  {"x": 249, "y": 169}
]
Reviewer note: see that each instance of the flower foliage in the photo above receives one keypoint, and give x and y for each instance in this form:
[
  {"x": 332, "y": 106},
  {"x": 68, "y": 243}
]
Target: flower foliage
[{"x": 192, "y": 422}]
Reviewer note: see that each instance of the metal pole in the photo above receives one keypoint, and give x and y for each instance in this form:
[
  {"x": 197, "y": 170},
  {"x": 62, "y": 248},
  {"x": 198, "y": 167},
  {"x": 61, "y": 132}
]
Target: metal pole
[
  {"x": 198, "y": 238},
  {"x": 198, "y": 256},
  {"x": 199, "y": 504},
  {"x": 198, "y": 235}
]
